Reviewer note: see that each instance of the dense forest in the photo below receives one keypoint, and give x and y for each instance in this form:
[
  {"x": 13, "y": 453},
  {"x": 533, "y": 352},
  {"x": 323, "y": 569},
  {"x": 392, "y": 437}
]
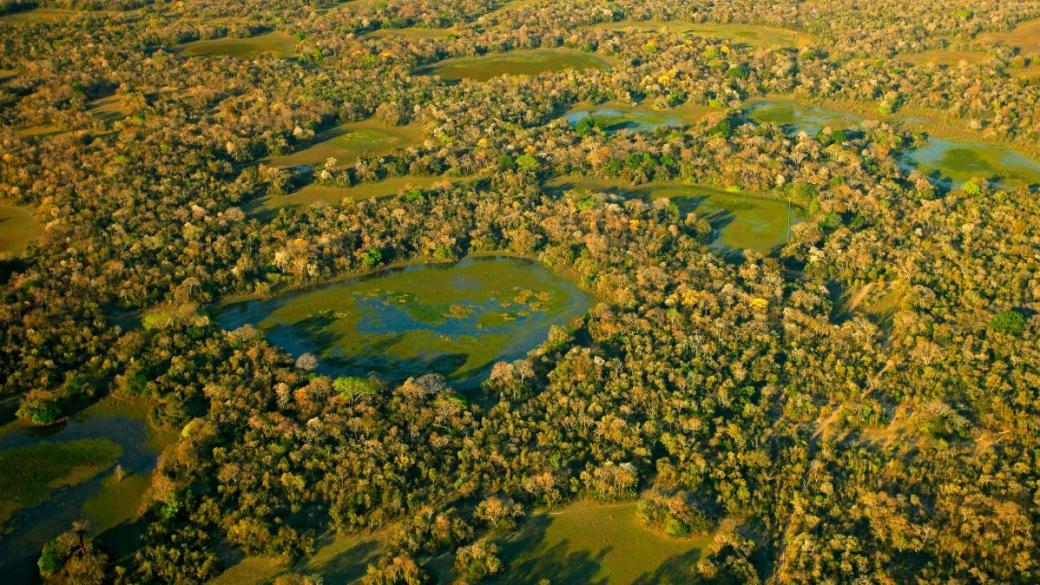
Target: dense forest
[{"x": 859, "y": 403}]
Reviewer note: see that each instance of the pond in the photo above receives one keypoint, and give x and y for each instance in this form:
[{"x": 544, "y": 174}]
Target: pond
[
  {"x": 953, "y": 163},
  {"x": 526, "y": 62},
  {"x": 801, "y": 117},
  {"x": 739, "y": 220},
  {"x": 64, "y": 474},
  {"x": 615, "y": 118},
  {"x": 946, "y": 162},
  {"x": 453, "y": 319}
]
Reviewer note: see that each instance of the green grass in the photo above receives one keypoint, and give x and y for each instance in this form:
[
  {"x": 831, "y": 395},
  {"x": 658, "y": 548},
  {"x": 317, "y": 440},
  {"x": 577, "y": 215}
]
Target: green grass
[
  {"x": 116, "y": 503},
  {"x": 110, "y": 108},
  {"x": 251, "y": 571},
  {"x": 275, "y": 43},
  {"x": 742, "y": 34},
  {"x": 339, "y": 558},
  {"x": 42, "y": 15},
  {"x": 424, "y": 318},
  {"x": 28, "y": 475},
  {"x": 591, "y": 542},
  {"x": 40, "y": 131},
  {"x": 742, "y": 220},
  {"x": 1025, "y": 37},
  {"x": 347, "y": 142},
  {"x": 333, "y": 195},
  {"x": 946, "y": 57},
  {"x": 18, "y": 228},
  {"x": 526, "y": 62},
  {"x": 413, "y": 32}
]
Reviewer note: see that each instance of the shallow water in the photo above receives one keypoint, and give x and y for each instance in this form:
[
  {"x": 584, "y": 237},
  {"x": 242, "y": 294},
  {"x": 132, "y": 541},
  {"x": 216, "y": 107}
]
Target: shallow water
[
  {"x": 456, "y": 319},
  {"x": 798, "y": 116},
  {"x": 31, "y": 528},
  {"x": 947, "y": 162},
  {"x": 616, "y": 119},
  {"x": 953, "y": 163}
]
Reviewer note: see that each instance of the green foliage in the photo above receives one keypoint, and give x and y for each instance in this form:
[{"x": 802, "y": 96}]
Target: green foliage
[
  {"x": 352, "y": 387},
  {"x": 371, "y": 257},
  {"x": 528, "y": 164},
  {"x": 1009, "y": 322}
]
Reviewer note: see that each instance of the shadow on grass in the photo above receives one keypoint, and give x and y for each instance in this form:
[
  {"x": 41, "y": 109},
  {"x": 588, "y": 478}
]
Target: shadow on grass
[
  {"x": 528, "y": 561},
  {"x": 676, "y": 570}
]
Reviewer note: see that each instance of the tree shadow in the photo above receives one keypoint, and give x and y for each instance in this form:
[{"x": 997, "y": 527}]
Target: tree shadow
[
  {"x": 347, "y": 566},
  {"x": 527, "y": 561},
  {"x": 678, "y": 569}
]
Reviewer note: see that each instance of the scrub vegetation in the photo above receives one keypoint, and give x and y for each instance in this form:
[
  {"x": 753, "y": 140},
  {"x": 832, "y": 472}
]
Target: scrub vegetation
[{"x": 461, "y": 291}]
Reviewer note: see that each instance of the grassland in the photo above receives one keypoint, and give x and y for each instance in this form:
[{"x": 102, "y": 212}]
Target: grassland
[
  {"x": 741, "y": 220},
  {"x": 1025, "y": 37},
  {"x": 520, "y": 63},
  {"x": 333, "y": 195},
  {"x": 32, "y": 473},
  {"x": 742, "y": 34},
  {"x": 110, "y": 108},
  {"x": 44, "y": 15},
  {"x": 278, "y": 44},
  {"x": 590, "y": 542},
  {"x": 455, "y": 320},
  {"x": 18, "y": 228},
  {"x": 413, "y": 32},
  {"x": 347, "y": 142},
  {"x": 339, "y": 558}
]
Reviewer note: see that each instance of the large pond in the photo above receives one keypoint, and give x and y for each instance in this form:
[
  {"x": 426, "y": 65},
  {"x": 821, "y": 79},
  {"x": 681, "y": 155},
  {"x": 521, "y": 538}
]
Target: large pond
[
  {"x": 76, "y": 460},
  {"x": 947, "y": 162},
  {"x": 456, "y": 320}
]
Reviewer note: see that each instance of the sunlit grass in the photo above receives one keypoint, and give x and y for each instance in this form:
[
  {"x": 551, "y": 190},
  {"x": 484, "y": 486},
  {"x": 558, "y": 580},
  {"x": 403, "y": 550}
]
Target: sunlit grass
[
  {"x": 275, "y": 43},
  {"x": 522, "y": 63}
]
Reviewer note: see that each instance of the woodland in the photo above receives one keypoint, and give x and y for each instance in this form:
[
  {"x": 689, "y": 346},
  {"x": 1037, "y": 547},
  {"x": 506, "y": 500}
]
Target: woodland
[{"x": 854, "y": 399}]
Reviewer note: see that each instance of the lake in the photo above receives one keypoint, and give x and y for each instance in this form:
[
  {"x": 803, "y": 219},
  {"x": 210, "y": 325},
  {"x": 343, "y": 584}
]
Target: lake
[{"x": 453, "y": 319}]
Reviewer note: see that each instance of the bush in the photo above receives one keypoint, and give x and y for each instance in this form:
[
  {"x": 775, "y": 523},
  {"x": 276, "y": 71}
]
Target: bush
[{"x": 1010, "y": 322}]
